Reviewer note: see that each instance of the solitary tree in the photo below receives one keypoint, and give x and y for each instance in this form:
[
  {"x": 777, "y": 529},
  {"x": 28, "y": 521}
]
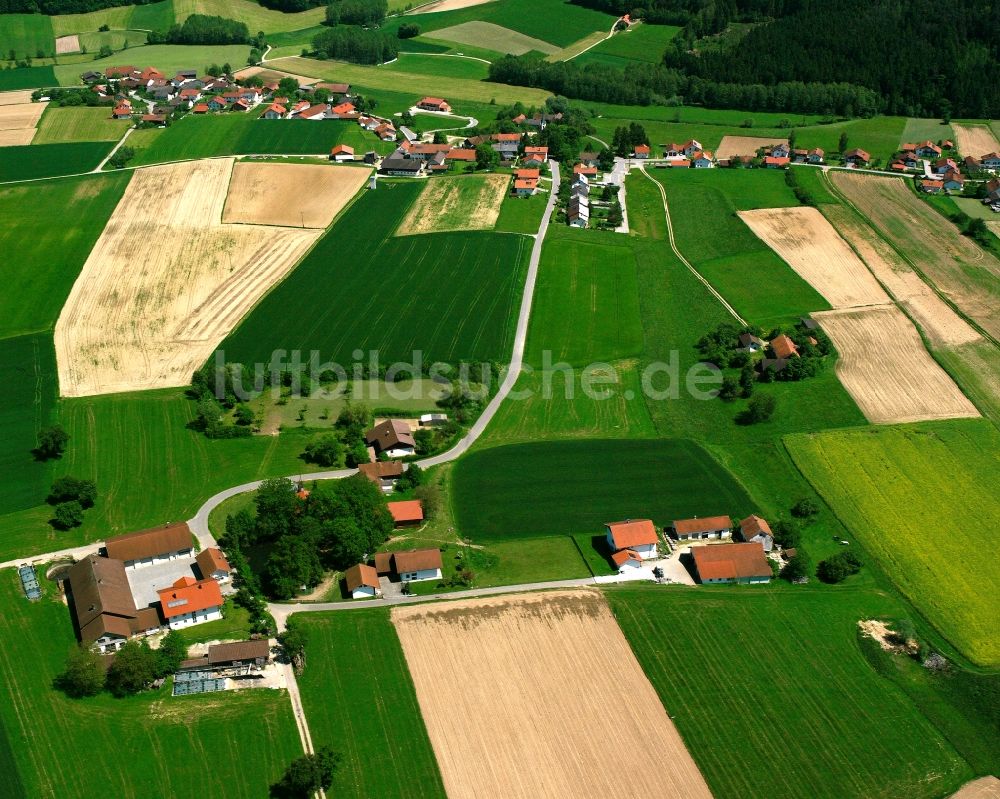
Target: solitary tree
[
  {"x": 760, "y": 409},
  {"x": 324, "y": 451},
  {"x": 307, "y": 774},
  {"x": 796, "y": 568},
  {"x": 486, "y": 157},
  {"x": 51, "y": 443},
  {"x": 842, "y": 143},
  {"x": 839, "y": 567},
  {"x": 68, "y": 515},
  {"x": 83, "y": 675},
  {"x": 288, "y": 87}
]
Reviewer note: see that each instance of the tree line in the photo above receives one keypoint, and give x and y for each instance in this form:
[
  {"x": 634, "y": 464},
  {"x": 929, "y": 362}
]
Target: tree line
[
  {"x": 64, "y": 6},
  {"x": 707, "y": 16},
  {"x": 356, "y": 12},
  {"x": 357, "y": 45},
  {"x": 203, "y": 29},
  {"x": 652, "y": 84}
]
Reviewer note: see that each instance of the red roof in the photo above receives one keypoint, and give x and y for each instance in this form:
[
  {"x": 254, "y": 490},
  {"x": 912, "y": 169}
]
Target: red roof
[
  {"x": 775, "y": 161},
  {"x": 623, "y": 556},
  {"x": 361, "y": 575},
  {"x": 188, "y": 595},
  {"x": 784, "y": 347},
  {"x": 343, "y": 108},
  {"x": 754, "y": 525},
  {"x": 707, "y": 524},
  {"x": 526, "y": 183},
  {"x": 642, "y": 149},
  {"x": 532, "y": 150},
  {"x": 632, "y": 533},
  {"x": 461, "y": 154},
  {"x": 201, "y": 108},
  {"x": 527, "y": 173},
  {"x": 410, "y": 510},
  {"x": 581, "y": 169},
  {"x": 730, "y": 561},
  {"x": 342, "y": 149}
]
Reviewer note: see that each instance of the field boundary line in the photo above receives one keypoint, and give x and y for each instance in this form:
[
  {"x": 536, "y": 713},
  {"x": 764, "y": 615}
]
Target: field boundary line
[{"x": 677, "y": 252}]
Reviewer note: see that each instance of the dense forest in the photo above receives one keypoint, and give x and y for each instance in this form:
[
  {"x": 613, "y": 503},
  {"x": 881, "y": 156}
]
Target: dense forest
[
  {"x": 292, "y": 6},
  {"x": 203, "y": 29},
  {"x": 356, "y": 44},
  {"x": 645, "y": 84},
  {"x": 64, "y": 6},
  {"x": 700, "y": 16},
  {"x": 356, "y": 12}
]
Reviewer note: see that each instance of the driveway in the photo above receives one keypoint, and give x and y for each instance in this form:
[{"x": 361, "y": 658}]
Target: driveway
[{"x": 145, "y": 582}]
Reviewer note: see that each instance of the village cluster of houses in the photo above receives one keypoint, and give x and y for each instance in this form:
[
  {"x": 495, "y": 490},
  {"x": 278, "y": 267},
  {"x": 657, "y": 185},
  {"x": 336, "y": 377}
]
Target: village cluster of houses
[
  {"x": 634, "y": 541},
  {"x": 102, "y": 596},
  {"x": 938, "y": 169}
]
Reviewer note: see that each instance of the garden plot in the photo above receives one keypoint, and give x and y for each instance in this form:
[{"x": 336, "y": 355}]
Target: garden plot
[
  {"x": 744, "y": 146},
  {"x": 166, "y": 282},
  {"x": 883, "y": 364},
  {"x": 937, "y": 319},
  {"x": 18, "y": 121},
  {"x": 293, "y": 195},
  {"x": 539, "y": 695},
  {"x": 975, "y": 140},
  {"x": 808, "y": 243},
  {"x": 461, "y": 203}
]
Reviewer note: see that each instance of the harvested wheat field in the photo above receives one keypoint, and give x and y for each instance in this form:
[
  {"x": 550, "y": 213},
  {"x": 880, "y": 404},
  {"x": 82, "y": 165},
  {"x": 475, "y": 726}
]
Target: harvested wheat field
[
  {"x": 962, "y": 271},
  {"x": 975, "y": 140},
  {"x": 267, "y": 75},
  {"x": 983, "y": 788},
  {"x": 539, "y": 695},
  {"x": 807, "y": 242},
  {"x": 744, "y": 146},
  {"x": 68, "y": 44},
  {"x": 883, "y": 364},
  {"x": 166, "y": 282},
  {"x": 15, "y": 98},
  {"x": 293, "y": 195},
  {"x": 447, "y": 5},
  {"x": 468, "y": 202},
  {"x": 934, "y": 316},
  {"x": 18, "y": 121}
]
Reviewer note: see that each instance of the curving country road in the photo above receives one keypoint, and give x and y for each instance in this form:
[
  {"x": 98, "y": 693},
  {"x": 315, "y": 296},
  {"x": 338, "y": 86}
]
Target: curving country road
[{"x": 199, "y": 524}]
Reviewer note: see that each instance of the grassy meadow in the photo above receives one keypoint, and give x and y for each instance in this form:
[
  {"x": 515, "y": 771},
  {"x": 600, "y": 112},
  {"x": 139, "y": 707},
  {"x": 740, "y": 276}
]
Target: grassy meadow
[
  {"x": 773, "y": 697},
  {"x": 566, "y": 487},
  {"x": 749, "y": 274},
  {"x": 359, "y": 698},
  {"x": 644, "y": 43},
  {"x": 586, "y": 304},
  {"x": 363, "y": 288},
  {"x": 256, "y": 16},
  {"x": 922, "y": 499},
  {"x": 32, "y": 161},
  {"x": 441, "y": 66},
  {"x": 26, "y": 78},
  {"x": 176, "y": 746},
  {"x": 521, "y": 214},
  {"x": 78, "y": 124},
  {"x": 150, "y": 16},
  {"x": 26, "y": 35}
]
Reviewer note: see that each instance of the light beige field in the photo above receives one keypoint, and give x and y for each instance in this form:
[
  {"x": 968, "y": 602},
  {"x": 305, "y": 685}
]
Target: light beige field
[
  {"x": 744, "y": 146},
  {"x": 15, "y": 98},
  {"x": 266, "y": 74},
  {"x": 975, "y": 140},
  {"x": 493, "y": 37},
  {"x": 963, "y": 272},
  {"x": 469, "y": 202},
  {"x": 68, "y": 44},
  {"x": 293, "y": 195},
  {"x": 21, "y": 116},
  {"x": 884, "y": 365},
  {"x": 540, "y": 695},
  {"x": 983, "y": 788},
  {"x": 808, "y": 243},
  {"x": 940, "y": 323},
  {"x": 166, "y": 282},
  {"x": 448, "y": 5},
  {"x": 14, "y": 138}
]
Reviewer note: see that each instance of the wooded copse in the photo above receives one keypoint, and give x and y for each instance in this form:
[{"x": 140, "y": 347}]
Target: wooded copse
[
  {"x": 360, "y": 46},
  {"x": 204, "y": 29},
  {"x": 356, "y": 12}
]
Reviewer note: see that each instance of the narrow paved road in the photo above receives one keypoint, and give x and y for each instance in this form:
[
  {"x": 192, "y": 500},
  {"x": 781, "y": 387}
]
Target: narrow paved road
[
  {"x": 683, "y": 260},
  {"x": 114, "y": 150}
]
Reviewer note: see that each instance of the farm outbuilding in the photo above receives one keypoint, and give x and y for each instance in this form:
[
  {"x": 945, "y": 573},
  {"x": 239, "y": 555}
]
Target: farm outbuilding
[
  {"x": 213, "y": 565},
  {"x": 755, "y": 529},
  {"x": 702, "y": 529},
  {"x": 731, "y": 563},
  {"x": 406, "y": 513},
  {"x": 362, "y": 581},
  {"x": 149, "y": 547}
]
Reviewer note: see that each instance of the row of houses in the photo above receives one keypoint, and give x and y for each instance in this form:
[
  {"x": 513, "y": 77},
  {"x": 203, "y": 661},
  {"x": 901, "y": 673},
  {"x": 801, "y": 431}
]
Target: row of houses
[{"x": 102, "y": 597}]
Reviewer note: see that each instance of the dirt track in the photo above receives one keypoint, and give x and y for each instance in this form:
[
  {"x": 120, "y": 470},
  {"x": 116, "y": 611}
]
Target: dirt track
[
  {"x": 960, "y": 269},
  {"x": 884, "y": 365},
  {"x": 975, "y": 140},
  {"x": 744, "y": 146},
  {"x": 293, "y": 195},
  {"x": 449, "y": 204},
  {"x": 808, "y": 243},
  {"x": 540, "y": 695},
  {"x": 166, "y": 282},
  {"x": 934, "y": 316}
]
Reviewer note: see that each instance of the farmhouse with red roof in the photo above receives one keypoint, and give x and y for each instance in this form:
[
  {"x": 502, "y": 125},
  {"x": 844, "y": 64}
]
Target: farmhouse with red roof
[
  {"x": 731, "y": 563},
  {"x": 637, "y": 535}
]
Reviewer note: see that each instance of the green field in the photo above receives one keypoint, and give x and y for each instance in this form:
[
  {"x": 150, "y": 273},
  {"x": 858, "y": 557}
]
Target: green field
[
  {"x": 442, "y": 66},
  {"x": 26, "y": 78},
  {"x": 116, "y": 18},
  {"x": 32, "y": 161},
  {"x": 367, "y": 289},
  {"x": 521, "y": 214},
  {"x": 644, "y": 44},
  {"x": 151, "y": 745},
  {"x": 555, "y": 21},
  {"x": 773, "y": 698},
  {"x": 923, "y": 500},
  {"x": 566, "y": 487},
  {"x": 236, "y": 134},
  {"x": 256, "y": 16},
  {"x": 26, "y": 35},
  {"x": 154, "y": 16},
  {"x": 27, "y": 406},
  {"x": 917, "y": 130},
  {"x": 78, "y": 124},
  {"x": 586, "y": 304},
  {"x": 748, "y": 273},
  {"x": 359, "y": 698},
  {"x": 93, "y": 41},
  {"x": 168, "y": 58},
  {"x": 148, "y": 466},
  {"x": 388, "y": 77},
  {"x": 49, "y": 256},
  {"x": 479, "y": 33}
]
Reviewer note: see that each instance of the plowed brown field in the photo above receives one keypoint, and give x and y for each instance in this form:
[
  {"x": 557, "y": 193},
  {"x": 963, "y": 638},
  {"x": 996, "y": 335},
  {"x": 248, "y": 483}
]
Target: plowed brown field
[
  {"x": 293, "y": 195},
  {"x": 884, "y": 365},
  {"x": 962, "y": 271},
  {"x": 808, "y": 243},
  {"x": 540, "y": 695},
  {"x": 166, "y": 282}
]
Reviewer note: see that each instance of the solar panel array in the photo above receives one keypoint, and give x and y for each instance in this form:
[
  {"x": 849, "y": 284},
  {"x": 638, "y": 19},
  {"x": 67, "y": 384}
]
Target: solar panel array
[{"x": 197, "y": 682}]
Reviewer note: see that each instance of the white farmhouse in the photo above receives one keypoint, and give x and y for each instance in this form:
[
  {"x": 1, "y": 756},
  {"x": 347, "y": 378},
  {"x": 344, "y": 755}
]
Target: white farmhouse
[
  {"x": 636, "y": 535},
  {"x": 417, "y": 564},
  {"x": 188, "y": 602}
]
